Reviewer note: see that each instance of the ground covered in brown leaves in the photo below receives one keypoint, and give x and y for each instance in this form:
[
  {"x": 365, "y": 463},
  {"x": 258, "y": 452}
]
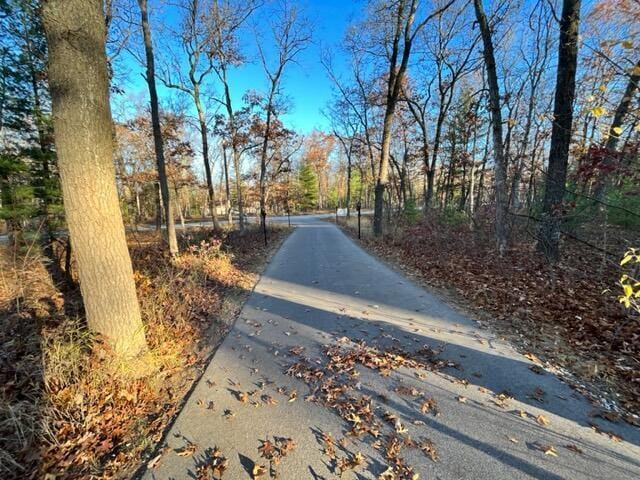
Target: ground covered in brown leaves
[
  {"x": 567, "y": 314},
  {"x": 334, "y": 384},
  {"x": 65, "y": 410}
]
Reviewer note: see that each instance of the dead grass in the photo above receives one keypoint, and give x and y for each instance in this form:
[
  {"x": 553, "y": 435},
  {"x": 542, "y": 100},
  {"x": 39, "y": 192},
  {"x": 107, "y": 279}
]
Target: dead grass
[{"x": 68, "y": 410}]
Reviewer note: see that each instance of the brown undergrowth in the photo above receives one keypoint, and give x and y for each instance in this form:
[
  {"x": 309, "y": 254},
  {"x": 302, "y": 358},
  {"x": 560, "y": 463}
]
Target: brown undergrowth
[
  {"x": 566, "y": 314},
  {"x": 66, "y": 410}
]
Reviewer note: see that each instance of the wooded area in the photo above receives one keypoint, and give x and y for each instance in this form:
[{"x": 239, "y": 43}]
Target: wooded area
[{"x": 462, "y": 130}]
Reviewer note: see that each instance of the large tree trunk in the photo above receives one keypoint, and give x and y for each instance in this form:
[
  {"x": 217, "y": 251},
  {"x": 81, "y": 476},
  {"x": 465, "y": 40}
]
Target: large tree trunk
[
  {"x": 404, "y": 21},
  {"x": 79, "y": 85},
  {"x": 383, "y": 169},
  {"x": 157, "y": 133},
  {"x": 501, "y": 195},
  {"x": 549, "y": 241}
]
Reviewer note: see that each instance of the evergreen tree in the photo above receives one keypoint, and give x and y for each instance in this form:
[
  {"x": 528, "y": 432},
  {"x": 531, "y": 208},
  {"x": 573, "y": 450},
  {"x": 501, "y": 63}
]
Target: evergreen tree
[
  {"x": 29, "y": 187},
  {"x": 309, "y": 187}
]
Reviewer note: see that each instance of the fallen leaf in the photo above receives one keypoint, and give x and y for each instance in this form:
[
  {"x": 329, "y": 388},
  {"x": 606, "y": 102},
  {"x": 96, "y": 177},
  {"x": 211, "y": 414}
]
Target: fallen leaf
[
  {"x": 258, "y": 471},
  {"x": 269, "y": 400},
  {"x": 573, "y": 448},
  {"x": 187, "y": 451},
  {"x": 154, "y": 462},
  {"x": 430, "y": 405},
  {"x": 542, "y": 420},
  {"x": 428, "y": 449}
]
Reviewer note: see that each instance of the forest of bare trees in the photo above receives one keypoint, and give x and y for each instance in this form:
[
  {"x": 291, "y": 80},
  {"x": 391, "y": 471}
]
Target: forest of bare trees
[
  {"x": 512, "y": 123},
  {"x": 447, "y": 107}
]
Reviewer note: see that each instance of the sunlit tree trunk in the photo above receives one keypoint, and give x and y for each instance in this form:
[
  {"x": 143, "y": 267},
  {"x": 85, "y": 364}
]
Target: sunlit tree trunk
[
  {"x": 405, "y": 15},
  {"x": 79, "y": 85}
]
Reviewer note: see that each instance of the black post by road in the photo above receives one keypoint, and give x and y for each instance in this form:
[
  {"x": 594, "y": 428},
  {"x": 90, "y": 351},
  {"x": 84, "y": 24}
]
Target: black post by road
[
  {"x": 263, "y": 214},
  {"x": 289, "y": 215},
  {"x": 358, "y": 208}
]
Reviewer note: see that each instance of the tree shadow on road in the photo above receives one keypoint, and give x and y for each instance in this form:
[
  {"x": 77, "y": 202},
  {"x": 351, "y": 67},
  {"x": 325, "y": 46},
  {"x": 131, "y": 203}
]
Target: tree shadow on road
[{"x": 481, "y": 366}]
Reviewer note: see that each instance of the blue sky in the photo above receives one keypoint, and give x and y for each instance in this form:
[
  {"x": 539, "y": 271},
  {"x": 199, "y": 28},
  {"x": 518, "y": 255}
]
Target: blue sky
[{"x": 305, "y": 83}]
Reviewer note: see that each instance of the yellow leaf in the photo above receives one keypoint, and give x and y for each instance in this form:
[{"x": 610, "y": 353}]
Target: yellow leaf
[
  {"x": 598, "y": 111},
  {"x": 617, "y": 130},
  {"x": 258, "y": 471},
  {"x": 627, "y": 44},
  {"x": 542, "y": 420}
]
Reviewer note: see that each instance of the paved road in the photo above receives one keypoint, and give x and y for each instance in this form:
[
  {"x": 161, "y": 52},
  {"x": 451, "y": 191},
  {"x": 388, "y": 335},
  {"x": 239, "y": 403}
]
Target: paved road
[
  {"x": 321, "y": 287},
  {"x": 148, "y": 227}
]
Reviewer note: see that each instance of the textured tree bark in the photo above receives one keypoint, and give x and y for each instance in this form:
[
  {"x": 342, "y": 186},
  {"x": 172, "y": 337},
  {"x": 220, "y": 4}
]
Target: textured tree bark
[
  {"x": 549, "y": 240},
  {"x": 157, "y": 133},
  {"x": 501, "y": 195},
  {"x": 79, "y": 84}
]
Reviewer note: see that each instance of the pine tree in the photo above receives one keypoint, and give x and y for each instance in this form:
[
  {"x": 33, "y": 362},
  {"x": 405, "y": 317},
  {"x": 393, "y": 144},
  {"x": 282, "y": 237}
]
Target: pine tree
[
  {"x": 309, "y": 187},
  {"x": 30, "y": 183}
]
